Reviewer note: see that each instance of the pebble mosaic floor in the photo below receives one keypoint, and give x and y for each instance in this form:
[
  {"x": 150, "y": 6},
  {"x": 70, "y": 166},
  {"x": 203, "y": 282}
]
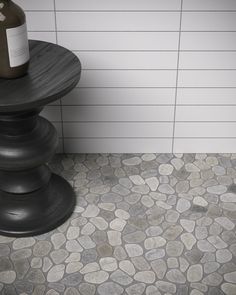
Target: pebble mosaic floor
[{"x": 144, "y": 224}]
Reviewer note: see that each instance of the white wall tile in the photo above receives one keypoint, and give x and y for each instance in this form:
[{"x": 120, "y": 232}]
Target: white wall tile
[
  {"x": 118, "y": 145},
  {"x": 204, "y": 145},
  {"x": 35, "y": 4},
  {"x": 205, "y": 129},
  {"x": 118, "y": 113},
  {"x": 60, "y": 146},
  {"x": 118, "y": 21},
  {"x": 126, "y": 96},
  {"x": 118, "y": 129},
  {"x": 120, "y": 96},
  {"x": 128, "y": 60},
  {"x": 43, "y": 36},
  {"x": 52, "y": 113},
  {"x": 209, "y": 4},
  {"x": 128, "y": 78},
  {"x": 207, "y": 60},
  {"x": 208, "y": 41},
  {"x": 58, "y": 126},
  {"x": 118, "y": 5},
  {"x": 206, "y": 113},
  {"x": 204, "y": 96},
  {"x": 35, "y": 23},
  {"x": 211, "y": 78},
  {"x": 209, "y": 21},
  {"x": 119, "y": 40}
]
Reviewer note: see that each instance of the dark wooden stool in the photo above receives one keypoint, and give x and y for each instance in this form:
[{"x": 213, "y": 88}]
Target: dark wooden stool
[{"x": 32, "y": 199}]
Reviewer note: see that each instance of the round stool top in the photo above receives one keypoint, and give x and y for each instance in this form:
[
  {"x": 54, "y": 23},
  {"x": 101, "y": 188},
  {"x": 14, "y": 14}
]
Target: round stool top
[{"x": 53, "y": 72}]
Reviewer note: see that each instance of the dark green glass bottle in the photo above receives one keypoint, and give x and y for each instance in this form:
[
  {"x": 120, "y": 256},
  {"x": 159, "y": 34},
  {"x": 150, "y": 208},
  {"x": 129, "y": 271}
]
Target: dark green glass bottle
[{"x": 14, "y": 46}]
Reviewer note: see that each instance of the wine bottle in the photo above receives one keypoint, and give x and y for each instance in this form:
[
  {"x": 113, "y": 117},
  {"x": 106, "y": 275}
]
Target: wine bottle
[{"x": 14, "y": 45}]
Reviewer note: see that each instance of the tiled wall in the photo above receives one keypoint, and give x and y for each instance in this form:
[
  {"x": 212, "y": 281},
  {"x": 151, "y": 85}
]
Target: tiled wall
[{"x": 158, "y": 75}]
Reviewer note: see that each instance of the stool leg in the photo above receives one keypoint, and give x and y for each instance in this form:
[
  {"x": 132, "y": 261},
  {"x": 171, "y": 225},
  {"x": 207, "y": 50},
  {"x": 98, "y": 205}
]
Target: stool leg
[{"x": 32, "y": 199}]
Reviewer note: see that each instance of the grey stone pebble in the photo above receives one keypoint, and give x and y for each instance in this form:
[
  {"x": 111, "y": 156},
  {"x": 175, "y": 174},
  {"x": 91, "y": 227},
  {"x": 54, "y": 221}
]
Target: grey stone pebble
[
  {"x": 132, "y": 161},
  {"x": 183, "y": 205},
  {"x": 47, "y": 264},
  {"x": 147, "y": 277},
  {"x": 121, "y": 278},
  {"x": 140, "y": 263},
  {"x": 120, "y": 253},
  {"x": 174, "y": 248},
  {"x": 127, "y": 266},
  {"x": 56, "y": 273},
  {"x": 71, "y": 291},
  {"x": 42, "y": 248},
  {"x": 88, "y": 256},
  {"x": 5, "y": 264},
  {"x": 21, "y": 267},
  {"x": 159, "y": 266},
  {"x": 72, "y": 279},
  {"x": 104, "y": 250},
  {"x": 155, "y": 254},
  {"x": 136, "y": 289},
  {"x": 7, "y": 277},
  {"x": 172, "y": 232},
  {"x": 176, "y": 276},
  {"x": 194, "y": 256},
  {"x": 228, "y": 289},
  {"x": 87, "y": 289},
  {"x": 110, "y": 287},
  {"x": 35, "y": 276},
  {"x": 24, "y": 287},
  {"x": 213, "y": 279},
  {"x": 23, "y": 243},
  {"x": 135, "y": 237},
  {"x": 4, "y": 250},
  {"x": 99, "y": 237},
  {"x": 211, "y": 266},
  {"x": 154, "y": 231},
  {"x": 195, "y": 273},
  {"x": 97, "y": 277},
  {"x": 58, "y": 256},
  {"x": 166, "y": 287}
]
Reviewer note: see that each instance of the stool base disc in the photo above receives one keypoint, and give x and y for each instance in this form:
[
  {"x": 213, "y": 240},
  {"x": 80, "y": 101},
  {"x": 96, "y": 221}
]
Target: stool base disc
[{"x": 23, "y": 215}]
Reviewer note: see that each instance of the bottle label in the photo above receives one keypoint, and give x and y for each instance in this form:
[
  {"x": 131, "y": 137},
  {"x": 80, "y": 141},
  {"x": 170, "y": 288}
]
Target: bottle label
[{"x": 18, "y": 45}]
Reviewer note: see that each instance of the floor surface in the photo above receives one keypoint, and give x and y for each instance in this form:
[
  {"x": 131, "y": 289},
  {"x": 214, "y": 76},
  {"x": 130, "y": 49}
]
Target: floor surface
[{"x": 144, "y": 224}]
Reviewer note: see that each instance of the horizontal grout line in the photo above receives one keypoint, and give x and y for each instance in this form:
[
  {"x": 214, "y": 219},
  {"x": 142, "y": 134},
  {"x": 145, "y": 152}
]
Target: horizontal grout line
[
  {"x": 124, "y": 87},
  {"x": 91, "y": 50},
  {"x": 207, "y": 137},
  {"x": 168, "y": 137},
  {"x": 155, "y": 87},
  {"x": 147, "y": 105},
  {"x": 129, "y": 69},
  {"x": 158, "y": 50},
  {"x": 171, "y": 69},
  {"x": 113, "y": 137},
  {"x": 125, "y": 105},
  {"x": 146, "y": 122},
  {"x": 138, "y": 50},
  {"x": 130, "y": 31},
  {"x": 131, "y": 10},
  {"x": 104, "y": 31},
  {"x": 202, "y": 121}
]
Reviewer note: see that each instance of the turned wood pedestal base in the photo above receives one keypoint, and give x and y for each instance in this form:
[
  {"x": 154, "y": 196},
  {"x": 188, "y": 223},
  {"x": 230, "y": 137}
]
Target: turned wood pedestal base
[{"x": 33, "y": 200}]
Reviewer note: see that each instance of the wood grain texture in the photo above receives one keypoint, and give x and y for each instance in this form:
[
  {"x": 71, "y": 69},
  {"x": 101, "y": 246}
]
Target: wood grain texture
[{"x": 54, "y": 71}]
